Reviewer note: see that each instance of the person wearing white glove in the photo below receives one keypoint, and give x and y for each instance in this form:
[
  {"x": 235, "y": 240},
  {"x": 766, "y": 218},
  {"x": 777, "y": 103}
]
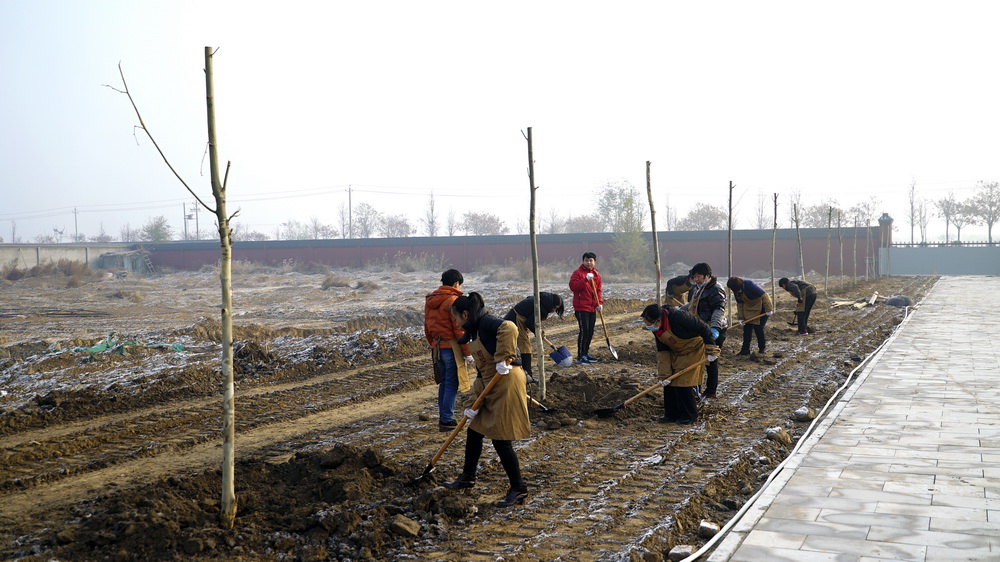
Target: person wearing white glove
[
  {"x": 502, "y": 412},
  {"x": 707, "y": 300},
  {"x": 751, "y": 302},
  {"x": 585, "y": 282},
  {"x": 523, "y": 316},
  {"x": 682, "y": 340}
]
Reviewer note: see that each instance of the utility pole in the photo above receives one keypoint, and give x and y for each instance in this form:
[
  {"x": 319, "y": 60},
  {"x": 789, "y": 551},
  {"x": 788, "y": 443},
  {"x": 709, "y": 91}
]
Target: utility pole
[
  {"x": 350, "y": 213},
  {"x": 184, "y": 214},
  {"x": 197, "y": 229},
  {"x": 76, "y": 227}
]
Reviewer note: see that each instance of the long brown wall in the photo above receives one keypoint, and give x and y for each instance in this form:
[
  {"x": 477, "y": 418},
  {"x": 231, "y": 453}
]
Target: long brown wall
[{"x": 751, "y": 250}]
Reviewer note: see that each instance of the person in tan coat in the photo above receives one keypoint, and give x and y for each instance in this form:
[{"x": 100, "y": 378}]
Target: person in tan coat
[
  {"x": 503, "y": 414},
  {"x": 682, "y": 340},
  {"x": 753, "y": 308}
]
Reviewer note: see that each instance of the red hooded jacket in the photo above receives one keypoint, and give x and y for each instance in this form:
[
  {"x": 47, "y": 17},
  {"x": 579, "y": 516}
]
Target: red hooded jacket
[{"x": 583, "y": 293}]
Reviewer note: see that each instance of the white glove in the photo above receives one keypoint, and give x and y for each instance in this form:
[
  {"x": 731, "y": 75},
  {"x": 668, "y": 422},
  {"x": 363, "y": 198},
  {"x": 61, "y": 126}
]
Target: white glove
[
  {"x": 740, "y": 323},
  {"x": 469, "y": 359},
  {"x": 503, "y": 368},
  {"x": 600, "y": 307},
  {"x": 590, "y": 276},
  {"x": 769, "y": 312},
  {"x": 711, "y": 358},
  {"x": 665, "y": 382},
  {"x": 470, "y": 413}
]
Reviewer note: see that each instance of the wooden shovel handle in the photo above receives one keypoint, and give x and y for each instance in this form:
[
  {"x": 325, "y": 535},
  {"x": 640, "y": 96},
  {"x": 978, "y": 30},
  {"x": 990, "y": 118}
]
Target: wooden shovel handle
[
  {"x": 599, "y": 312},
  {"x": 657, "y": 384},
  {"x": 461, "y": 424},
  {"x": 748, "y": 320}
]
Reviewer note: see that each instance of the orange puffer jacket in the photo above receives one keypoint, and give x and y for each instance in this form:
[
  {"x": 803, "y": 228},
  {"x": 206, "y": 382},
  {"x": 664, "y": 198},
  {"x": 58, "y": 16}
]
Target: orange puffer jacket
[{"x": 439, "y": 327}]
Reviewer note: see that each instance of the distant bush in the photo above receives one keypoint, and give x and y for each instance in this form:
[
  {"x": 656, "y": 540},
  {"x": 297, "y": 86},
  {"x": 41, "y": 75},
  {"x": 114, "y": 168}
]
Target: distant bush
[
  {"x": 47, "y": 268},
  {"x": 408, "y": 263},
  {"x": 522, "y": 271},
  {"x": 368, "y": 286},
  {"x": 73, "y": 282}
]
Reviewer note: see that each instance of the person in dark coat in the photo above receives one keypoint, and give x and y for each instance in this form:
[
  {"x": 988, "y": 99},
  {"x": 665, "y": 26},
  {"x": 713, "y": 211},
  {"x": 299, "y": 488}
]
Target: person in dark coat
[
  {"x": 677, "y": 289},
  {"x": 681, "y": 341},
  {"x": 805, "y": 298},
  {"x": 503, "y": 414},
  {"x": 751, "y": 301},
  {"x": 585, "y": 282},
  {"x": 523, "y": 316},
  {"x": 707, "y": 301}
]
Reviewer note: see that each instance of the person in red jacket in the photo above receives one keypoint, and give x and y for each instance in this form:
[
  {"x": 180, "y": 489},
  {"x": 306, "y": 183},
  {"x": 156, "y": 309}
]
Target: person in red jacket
[
  {"x": 443, "y": 333},
  {"x": 585, "y": 283}
]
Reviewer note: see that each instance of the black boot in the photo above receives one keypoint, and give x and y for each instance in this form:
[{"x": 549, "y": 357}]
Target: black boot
[
  {"x": 515, "y": 496},
  {"x": 464, "y": 481}
]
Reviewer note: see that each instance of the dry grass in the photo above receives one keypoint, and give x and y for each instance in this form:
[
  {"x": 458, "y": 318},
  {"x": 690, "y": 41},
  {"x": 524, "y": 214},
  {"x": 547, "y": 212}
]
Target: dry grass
[
  {"x": 335, "y": 280},
  {"x": 47, "y": 268}
]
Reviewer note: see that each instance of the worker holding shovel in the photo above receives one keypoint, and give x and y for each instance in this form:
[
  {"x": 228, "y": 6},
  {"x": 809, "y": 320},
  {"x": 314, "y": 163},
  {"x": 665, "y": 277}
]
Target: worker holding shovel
[
  {"x": 502, "y": 414},
  {"x": 681, "y": 341},
  {"x": 753, "y": 308},
  {"x": 585, "y": 282},
  {"x": 523, "y": 316},
  {"x": 707, "y": 301},
  {"x": 805, "y": 298}
]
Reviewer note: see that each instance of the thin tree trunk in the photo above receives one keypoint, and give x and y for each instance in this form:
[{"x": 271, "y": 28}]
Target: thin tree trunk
[
  {"x": 840, "y": 247},
  {"x": 729, "y": 306},
  {"x": 774, "y": 238},
  {"x": 855, "y": 251},
  {"x": 228, "y": 512},
  {"x": 798, "y": 235},
  {"x": 829, "y": 227},
  {"x": 534, "y": 273},
  {"x": 656, "y": 244}
]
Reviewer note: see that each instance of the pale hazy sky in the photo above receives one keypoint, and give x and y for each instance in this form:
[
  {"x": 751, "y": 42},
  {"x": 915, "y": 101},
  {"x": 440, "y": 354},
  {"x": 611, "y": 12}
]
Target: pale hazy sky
[{"x": 398, "y": 100}]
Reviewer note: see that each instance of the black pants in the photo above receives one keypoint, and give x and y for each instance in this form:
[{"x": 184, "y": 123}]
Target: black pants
[
  {"x": 803, "y": 317},
  {"x": 680, "y": 403},
  {"x": 712, "y": 384},
  {"x": 748, "y": 332},
  {"x": 586, "y": 321},
  {"x": 505, "y": 450}
]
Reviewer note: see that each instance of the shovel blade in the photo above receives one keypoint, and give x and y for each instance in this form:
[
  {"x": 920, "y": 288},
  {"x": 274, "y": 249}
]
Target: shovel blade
[
  {"x": 613, "y": 352},
  {"x": 608, "y": 412},
  {"x": 562, "y": 357},
  {"x": 427, "y": 472}
]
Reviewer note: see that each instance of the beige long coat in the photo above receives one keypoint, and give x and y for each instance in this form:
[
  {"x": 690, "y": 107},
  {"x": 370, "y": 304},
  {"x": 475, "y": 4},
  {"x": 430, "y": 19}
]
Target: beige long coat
[
  {"x": 682, "y": 353},
  {"x": 503, "y": 414},
  {"x": 748, "y": 308}
]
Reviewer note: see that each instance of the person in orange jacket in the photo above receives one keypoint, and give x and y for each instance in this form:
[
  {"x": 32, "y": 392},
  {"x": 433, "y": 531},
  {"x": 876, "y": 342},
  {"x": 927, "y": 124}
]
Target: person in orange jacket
[
  {"x": 443, "y": 333},
  {"x": 587, "y": 289}
]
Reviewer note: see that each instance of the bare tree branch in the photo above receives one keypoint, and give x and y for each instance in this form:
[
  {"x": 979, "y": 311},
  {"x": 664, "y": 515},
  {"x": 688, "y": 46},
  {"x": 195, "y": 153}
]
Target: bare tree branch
[{"x": 142, "y": 125}]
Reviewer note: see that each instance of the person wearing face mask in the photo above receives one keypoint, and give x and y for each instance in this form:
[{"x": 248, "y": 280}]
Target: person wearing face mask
[
  {"x": 707, "y": 301},
  {"x": 681, "y": 341},
  {"x": 503, "y": 414}
]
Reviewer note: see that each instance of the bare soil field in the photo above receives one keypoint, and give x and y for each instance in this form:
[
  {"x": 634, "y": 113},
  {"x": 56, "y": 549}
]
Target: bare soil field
[{"x": 110, "y": 422}]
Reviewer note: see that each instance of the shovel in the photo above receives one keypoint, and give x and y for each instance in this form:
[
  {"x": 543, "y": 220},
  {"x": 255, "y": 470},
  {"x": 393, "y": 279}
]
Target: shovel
[
  {"x": 454, "y": 433},
  {"x": 561, "y": 356},
  {"x": 606, "y": 338},
  {"x": 742, "y": 322},
  {"x": 542, "y": 406},
  {"x": 608, "y": 412}
]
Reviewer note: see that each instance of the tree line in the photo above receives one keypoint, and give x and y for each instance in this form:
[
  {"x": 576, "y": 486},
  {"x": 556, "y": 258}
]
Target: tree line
[{"x": 620, "y": 209}]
